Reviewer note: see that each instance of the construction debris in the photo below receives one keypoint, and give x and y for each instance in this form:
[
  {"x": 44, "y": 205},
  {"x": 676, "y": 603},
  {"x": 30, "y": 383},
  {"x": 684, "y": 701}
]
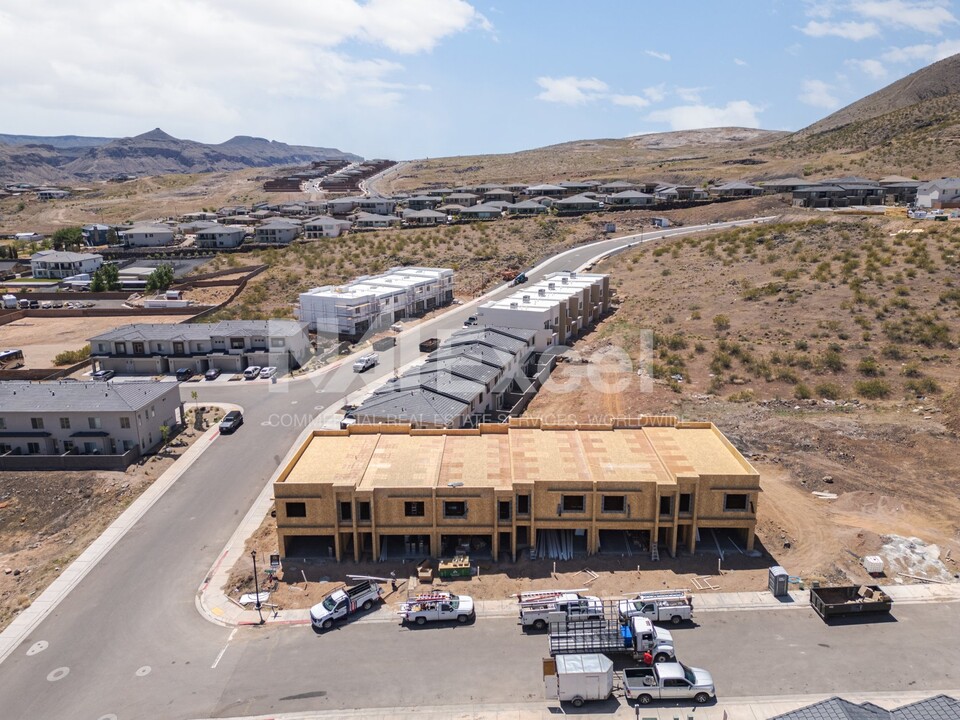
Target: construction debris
[{"x": 703, "y": 582}]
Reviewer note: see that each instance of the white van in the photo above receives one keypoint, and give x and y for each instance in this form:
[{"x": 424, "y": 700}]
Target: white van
[{"x": 365, "y": 362}]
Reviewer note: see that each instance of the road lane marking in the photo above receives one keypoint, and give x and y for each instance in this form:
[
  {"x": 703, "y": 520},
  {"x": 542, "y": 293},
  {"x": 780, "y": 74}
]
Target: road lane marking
[
  {"x": 38, "y": 647},
  {"x": 144, "y": 671},
  {"x": 220, "y": 656},
  {"x": 59, "y": 674},
  {"x": 107, "y": 717}
]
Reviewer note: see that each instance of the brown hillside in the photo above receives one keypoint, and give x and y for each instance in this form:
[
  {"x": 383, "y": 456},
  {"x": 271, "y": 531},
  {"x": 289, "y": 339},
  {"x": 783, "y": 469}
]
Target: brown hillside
[{"x": 934, "y": 81}]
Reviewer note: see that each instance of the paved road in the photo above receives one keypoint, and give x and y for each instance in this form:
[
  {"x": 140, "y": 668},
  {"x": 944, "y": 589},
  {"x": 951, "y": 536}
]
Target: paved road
[{"x": 128, "y": 640}]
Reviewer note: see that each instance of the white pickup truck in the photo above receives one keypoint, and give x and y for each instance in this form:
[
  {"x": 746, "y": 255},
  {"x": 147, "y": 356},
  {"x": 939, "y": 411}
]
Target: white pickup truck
[
  {"x": 438, "y": 606},
  {"x": 668, "y": 681},
  {"x": 365, "y": 362},
  {"x": 345, "y": 601},
  {"x": 570, "y": 606},
  {"x": 659, "y": 606}
]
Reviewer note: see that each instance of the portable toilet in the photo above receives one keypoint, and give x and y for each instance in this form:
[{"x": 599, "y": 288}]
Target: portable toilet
[{"x": 779, "y": 581}]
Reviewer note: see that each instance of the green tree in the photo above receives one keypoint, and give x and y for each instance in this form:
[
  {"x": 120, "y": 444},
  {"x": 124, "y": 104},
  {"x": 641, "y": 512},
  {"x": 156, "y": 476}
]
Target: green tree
[
  {"x": 160, "y": 279},
  {"x": 67, "y": 238},
  {"x": 97, "y": 283},
  {"x": 105, "y": 278}
]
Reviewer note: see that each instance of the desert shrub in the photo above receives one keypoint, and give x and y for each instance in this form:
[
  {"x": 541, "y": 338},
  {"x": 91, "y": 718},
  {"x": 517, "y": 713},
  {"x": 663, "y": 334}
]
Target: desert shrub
[
  {"x": 70, "y": 357},
  {"x": 911, "y": 370},
  {"x": 872, "y": 389},
  {"x": 869, "y": 367},
  {"x": 829, "y": 391},
  {"x": 742, "y": 396},
  {"x": 721, "y": 322},
  {"x": 802, "y": 392},
  {"x": 922, "y": 386},
  {"x": 831, "y": 360}
]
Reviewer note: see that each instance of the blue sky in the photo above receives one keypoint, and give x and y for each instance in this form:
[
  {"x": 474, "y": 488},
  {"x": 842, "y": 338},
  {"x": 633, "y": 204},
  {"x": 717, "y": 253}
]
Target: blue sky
[{"x": 426, "y": 78}]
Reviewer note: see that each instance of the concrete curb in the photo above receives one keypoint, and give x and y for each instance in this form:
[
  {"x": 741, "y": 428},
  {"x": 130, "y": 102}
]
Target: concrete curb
[
  {"x": 742, "y": 708},
  {"x": 27, "y": 621}
]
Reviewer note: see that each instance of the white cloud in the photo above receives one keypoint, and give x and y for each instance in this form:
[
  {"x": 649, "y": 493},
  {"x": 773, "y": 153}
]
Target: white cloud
[
  {"x": 873, "y": 68},
  {"x": 204, "y": 66},
  {"x": 655, "y": 93},
  {"x": 658, "y": 55},
  {"x": 571, "y": 90},
  {"x": 737, "y": 113},
  {"x": 634, "y": 101},
  {"x": 689, "y": 95},
  {"x": 927, "y": 52},
  {"x": 920, "y": 16},
  {"x": 847, "y": 30},
  {"x": 819, "y": 10},
  {"x": 818, "y": 94},
  {"x": 741, "y": 63}
]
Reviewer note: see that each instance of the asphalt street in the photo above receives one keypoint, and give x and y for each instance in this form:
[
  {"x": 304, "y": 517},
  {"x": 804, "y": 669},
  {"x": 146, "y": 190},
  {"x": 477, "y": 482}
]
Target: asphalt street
[{"x": 128, "y": 641}]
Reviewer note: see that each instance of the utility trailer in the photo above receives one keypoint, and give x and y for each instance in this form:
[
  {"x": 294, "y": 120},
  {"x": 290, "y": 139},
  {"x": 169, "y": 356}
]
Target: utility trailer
[
  {"x": 831, "y": 602},
  {"x": 578, "y": 678}
]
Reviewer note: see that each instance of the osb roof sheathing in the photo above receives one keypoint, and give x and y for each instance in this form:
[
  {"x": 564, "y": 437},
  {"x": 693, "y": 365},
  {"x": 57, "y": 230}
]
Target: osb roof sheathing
[
  {"x": 339, "y": 460},
  {"x": 697, "y": 450},
  {"x": 622, "y": 456},
  {"x": 404, "y": 461},
  {"x": 476, "y": 461}
]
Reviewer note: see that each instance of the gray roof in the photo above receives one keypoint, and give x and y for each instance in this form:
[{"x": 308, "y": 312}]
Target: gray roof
[
  {"x": 617, "y": 184},
  {"x": 18, "y": 396},
  {"x": 424, "y": 214},
  {"x": 458, "y": 364},
  {"x": 939, "y": 707},
  {"x": 488, "y": 337},
  {"x": 578, "y": 200},
  {"x": 543, "y": 188},
  {"x": 373, "y": 217},
  {"x": 631, "y": 194},
  {"x": 528, "y": 205},
  {"x": 203, "y": 331},
  {"x": 437, "y": 380},
  {"x": 417, "y": 406},
  {"x": 63, "y": 256},
  {"x": 487, "y": 355},
  {"x": 480, "y": 209},
  {"x": 736, "y": 185}
]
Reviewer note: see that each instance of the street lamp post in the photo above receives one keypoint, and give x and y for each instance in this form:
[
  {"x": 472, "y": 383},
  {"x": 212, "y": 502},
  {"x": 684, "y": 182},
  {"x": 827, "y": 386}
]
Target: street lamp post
[{"x": 256, "y": 585}]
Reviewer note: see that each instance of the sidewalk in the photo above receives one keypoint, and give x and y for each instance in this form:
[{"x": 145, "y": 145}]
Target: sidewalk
[
  {"x": 746, "y": 708},
  {"x": 24, "y": 624}
]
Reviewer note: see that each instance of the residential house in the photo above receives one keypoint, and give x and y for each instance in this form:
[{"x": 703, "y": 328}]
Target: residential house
[
  {"x": 898, "y": 189},
  {"x": 201, "y": 215},
  {"x": 324, "y": 226},
  {"x": 277, "y": 231},
  {"x": 372, "y": 221},
  {"x": 551, "y": 191},
  {"x": 465, "y": 199},
  {"x": 45, "y": 194},
  {"x": 498, "y": 194},
  {"x": 526, "y": 208},
  {"x": 112, "y": 420},
  {"x": 424, "y": 217},
  {"x": 735, "y": 190},
  {"x": 343, "y": 205},
  {"x": 376, "y": 492},
  {"x": 96, "y": 234},
  {"x": 629, "y": 199},
  {"x": 231, "y": 210},
  {"x": 221, "y": 236},
  {"x": 939, "y": 194},
  {"x": 423, "y": 202},
  {"x": 481, "y": 212},
  {"x": 617, "y": 186},
  {"x": 577, "y": 204},
  {"x": 786, "y": 185},
  {"x": 60, "y": 264},
  {"x": 578, "y": 187},
  {"x": 376, "y": 205},
  {"x": 147, "y": 235},
  {"x": 372, "y": 302},
  {"x": 229, "y": 345}
]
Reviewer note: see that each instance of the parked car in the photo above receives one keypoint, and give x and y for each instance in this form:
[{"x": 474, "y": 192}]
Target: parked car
[
  {"x": 472, "y": 320},
  {"x": 268, "y": 372},
  {"x": 34, "y": 304},
  {"x": 231, "y": 421},
  {"x": 252, "y": 372},
  {"x": 103, "y": 374},
  {"x": 212, "y": 374},
  {"x": 184, "y": 374},
  {"x": 343, "y": 602}
]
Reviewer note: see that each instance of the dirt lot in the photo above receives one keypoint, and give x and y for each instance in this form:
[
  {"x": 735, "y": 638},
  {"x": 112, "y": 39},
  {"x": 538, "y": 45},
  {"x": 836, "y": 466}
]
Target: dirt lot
[
  {"x": 41, "y": 339},
  {"x": 48, "y": 518}
]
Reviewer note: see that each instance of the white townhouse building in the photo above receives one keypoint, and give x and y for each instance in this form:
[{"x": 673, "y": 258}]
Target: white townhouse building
[
  {"x": 147, "y": 235},
  {"x": 370, "y": 302}
]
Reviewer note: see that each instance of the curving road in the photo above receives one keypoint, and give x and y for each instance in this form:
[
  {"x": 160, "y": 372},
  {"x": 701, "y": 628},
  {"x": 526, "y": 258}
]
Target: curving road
[{"x": 127, "y": 642}]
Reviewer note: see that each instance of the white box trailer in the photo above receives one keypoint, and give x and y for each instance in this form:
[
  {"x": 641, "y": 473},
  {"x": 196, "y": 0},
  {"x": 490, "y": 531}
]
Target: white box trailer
[{"x": 578, "y": 678}]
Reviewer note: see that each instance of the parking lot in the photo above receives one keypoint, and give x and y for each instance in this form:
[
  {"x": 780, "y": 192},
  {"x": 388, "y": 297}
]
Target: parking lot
[{"x": 42, "y": 339}]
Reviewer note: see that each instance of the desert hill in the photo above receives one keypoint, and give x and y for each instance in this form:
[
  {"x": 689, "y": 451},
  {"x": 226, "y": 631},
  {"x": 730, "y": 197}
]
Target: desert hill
[{"x": 71, "y": 158}]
